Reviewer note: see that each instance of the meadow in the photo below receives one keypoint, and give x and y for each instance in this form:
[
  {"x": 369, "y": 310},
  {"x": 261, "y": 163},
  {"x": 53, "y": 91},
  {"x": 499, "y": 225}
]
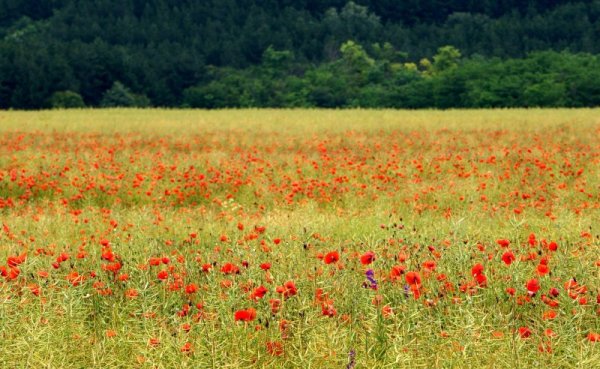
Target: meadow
[{"x": 300, "y": 239}]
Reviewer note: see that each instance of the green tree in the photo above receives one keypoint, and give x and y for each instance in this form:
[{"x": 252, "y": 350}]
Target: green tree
[
  {"x": 66, "y": 99},
  {"x": 447, "y": 57},
  {"x": 120, "y": 96}
]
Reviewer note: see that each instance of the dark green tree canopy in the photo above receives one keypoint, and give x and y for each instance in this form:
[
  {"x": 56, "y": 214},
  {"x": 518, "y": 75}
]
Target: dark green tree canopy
[{"x": 279, "y": 52}]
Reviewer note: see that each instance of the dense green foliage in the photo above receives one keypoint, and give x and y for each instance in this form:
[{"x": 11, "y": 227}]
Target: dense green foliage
[{"x": 282, "y": 53}]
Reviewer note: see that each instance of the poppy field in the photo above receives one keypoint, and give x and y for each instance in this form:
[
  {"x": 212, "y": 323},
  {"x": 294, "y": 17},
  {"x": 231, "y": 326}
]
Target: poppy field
[{"x": 300, "y": 239}]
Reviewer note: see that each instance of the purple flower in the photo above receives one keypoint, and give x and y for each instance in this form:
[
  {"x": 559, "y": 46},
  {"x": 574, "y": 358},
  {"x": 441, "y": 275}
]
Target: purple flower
[
  {"x": 370, "y": 277},
  {"x": 351, "y": 357},
  {"x": 406, "y": 290}
]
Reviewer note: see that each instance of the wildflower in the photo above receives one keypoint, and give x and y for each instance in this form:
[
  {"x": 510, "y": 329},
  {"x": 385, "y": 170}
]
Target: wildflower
[
  {"x": 386, "y": 311},
  {"x": 351, "y": 358},
  {"x": 186, "y": 348},
  {"x": 549, "y": 315},
  {"x": 191, "y": 288},
  {"x": 246, "y": 315},
  {"x": 13, "y": 261},
  {"x": 367, "y": 258},
  {"x": 524, "y": 332},
  {"x": 131, "y": 293},
  {"x": 503, "y": 242},
  {"x": 508, "y": 257},
  {"x": 275, "y": 305},
  {"x": 370, "y": 277},
  {"x": 288, "y": 289},
  {"x": 229, "y": 268},
  {"x": 331, "y": 257},
  {"x": 413, "y": 279},
  {"x": 162, "y": 275},
  {"x": 481, "y": 280},
  {"x": 259, "y": 293},
  {"x": 396, "y": 272},
  {"x": 429, "y": 265},
  {"x": 34, "y": 288},
  {"x": 532, "y": 286},
  {"x": 477, "y": 270},
  {"x": 274, "y": 348},
  {"x": 327, "y": 309},
  {"x": 497, "y": 334}
]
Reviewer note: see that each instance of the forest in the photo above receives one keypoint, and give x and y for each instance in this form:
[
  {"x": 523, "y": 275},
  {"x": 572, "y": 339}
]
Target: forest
[{"x": 283, "y": 53}]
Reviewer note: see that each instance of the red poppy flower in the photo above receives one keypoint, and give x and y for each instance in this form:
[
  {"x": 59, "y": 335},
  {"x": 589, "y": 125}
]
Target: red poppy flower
[
  {"x": 481, "y": 280},
  {"x": 396, "y": 272},
  {"x": 186, "y": 348},
  {"x": 131, "y": 293},
  {"x": 429, "y": 265},
  {"x": 413, "y": 279},
  {"x": 331, "y": 257},
  {"x": 108, "y": 255},
  {"x": 259, "y": 293},
  {"x": 274, "y": 348},
  {"x": 288, "y": 289},
  {"x": 532, "y": 286},
  {"x": 386, "y": 311},
  {"x": 246, "y": 315},
  {"x": 275, "y": 305},
  {"x": 191, "y": 288},
  {"x": 367, "y": 258},
  {"x": 265, "y": 266},
  {"x": 34, "y": 288},
  {"x": 542, "y": 269},
  {"x": 524, "y": 332},
  {"x": 13, "y": 261},
  {"x": 503, "y": 242},
  {"x": 162, "y": 275},
  {"x": 14, "y": 272},
  {"x": 508, "y": 257},
  {"x": 327, "y": 309},
  {"x": 229, "y": 268},
  {"x": 477, "y": 269}
]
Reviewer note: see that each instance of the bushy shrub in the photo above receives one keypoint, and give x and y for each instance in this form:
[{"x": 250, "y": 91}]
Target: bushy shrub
[
  {"x": 120, "y": 96},
  {"x": 66, "y": 99}
]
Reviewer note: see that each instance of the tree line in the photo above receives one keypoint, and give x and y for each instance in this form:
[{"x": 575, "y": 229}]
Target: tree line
[{"x": 283, "y": 53}]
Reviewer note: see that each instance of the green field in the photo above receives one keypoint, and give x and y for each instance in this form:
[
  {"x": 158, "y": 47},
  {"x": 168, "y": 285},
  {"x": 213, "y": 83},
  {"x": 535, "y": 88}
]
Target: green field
[{"x": 400, "y": 239}]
